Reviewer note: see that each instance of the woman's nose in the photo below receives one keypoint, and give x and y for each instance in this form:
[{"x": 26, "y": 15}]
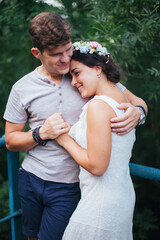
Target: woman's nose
[{"x": 74, "y": 81}]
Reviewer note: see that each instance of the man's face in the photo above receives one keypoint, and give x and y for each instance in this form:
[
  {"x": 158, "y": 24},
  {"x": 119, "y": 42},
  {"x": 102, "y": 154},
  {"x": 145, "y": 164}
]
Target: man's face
[{"x": 56, "y": 61}]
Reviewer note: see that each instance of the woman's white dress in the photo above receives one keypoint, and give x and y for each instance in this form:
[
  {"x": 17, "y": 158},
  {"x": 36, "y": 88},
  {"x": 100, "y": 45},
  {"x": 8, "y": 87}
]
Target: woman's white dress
[{"x": 105, "y": 210}]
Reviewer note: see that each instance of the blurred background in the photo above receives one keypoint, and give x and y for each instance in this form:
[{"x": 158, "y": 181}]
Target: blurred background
[{"x": 130, "y": 29}]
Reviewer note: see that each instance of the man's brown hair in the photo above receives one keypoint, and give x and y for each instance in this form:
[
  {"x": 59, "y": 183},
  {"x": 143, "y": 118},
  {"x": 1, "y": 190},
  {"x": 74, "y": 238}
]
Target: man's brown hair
[{"x": 49, "y": 30}]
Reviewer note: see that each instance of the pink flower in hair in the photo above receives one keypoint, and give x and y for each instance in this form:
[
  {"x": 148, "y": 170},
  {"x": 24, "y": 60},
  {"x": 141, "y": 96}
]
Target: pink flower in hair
[{"x": 94, "y": 44}]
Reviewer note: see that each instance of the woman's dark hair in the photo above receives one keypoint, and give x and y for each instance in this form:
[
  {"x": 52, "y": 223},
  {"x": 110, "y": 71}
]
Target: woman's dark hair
[{"x": 109, "y": 67}]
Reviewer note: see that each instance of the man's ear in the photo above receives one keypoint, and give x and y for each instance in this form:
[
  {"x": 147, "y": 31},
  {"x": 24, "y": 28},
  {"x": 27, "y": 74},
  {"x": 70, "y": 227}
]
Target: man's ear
[{"x": 35, "y": 51}]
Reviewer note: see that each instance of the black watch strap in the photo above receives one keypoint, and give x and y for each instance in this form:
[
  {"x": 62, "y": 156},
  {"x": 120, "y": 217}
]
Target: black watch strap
[
  {"x": 37, "y": 138},
  {"x": 139, "y": 106}
]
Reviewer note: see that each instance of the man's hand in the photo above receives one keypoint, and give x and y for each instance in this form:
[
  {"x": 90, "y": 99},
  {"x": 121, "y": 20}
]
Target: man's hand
[
  {"x": 53, "y": 127},
  {"x": 126, "y": 122}
]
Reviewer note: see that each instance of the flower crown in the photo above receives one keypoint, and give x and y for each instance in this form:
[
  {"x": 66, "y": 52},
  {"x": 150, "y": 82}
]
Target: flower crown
[{"x": 90, "y": 47}]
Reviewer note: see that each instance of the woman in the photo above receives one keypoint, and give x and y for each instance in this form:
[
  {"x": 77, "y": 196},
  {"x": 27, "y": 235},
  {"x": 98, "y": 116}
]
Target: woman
[{"x": 105, "y": 210}]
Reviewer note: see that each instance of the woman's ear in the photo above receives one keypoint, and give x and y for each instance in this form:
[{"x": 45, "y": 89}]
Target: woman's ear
[
  {"x": 36, "y": 53},
  {"x": 98, "y": 69}
]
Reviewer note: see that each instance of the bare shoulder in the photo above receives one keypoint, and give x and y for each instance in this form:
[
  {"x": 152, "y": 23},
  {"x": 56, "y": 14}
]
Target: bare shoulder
[{"x": 99, "y": 108}]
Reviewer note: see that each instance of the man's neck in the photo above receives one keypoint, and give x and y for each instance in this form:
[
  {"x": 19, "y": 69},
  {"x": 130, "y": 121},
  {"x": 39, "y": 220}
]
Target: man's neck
[{"x": 57, "y": 78}]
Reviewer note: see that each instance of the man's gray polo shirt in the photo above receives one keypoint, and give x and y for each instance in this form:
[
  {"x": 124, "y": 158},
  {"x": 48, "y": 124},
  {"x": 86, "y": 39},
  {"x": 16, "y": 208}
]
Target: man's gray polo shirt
[{"x": 34, "y": 98}]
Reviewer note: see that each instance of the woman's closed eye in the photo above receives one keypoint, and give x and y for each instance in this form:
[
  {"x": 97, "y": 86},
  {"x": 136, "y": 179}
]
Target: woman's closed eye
[{"x": 76, "y": 74}]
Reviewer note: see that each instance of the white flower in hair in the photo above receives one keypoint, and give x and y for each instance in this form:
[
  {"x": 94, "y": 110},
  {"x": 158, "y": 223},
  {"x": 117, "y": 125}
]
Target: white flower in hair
[
  {"x": 84, "y": 49},
  {"x": 99, "y": 48}
]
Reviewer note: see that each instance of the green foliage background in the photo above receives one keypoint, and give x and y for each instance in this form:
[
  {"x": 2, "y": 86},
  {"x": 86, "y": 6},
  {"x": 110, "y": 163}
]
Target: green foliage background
[{"x": 130, "y": 29}]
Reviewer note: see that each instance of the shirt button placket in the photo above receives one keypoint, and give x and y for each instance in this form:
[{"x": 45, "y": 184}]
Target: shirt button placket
[{"x": 60, "y": 98}]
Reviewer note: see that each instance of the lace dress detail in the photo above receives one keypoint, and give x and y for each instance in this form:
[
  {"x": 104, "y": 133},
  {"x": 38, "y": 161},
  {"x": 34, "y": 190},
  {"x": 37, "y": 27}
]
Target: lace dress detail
[{"x": 105, "y": 211}]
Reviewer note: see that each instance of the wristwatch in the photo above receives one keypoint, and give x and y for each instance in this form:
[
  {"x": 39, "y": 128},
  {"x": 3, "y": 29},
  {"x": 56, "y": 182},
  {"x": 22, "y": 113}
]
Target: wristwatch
[{"x": 142, "y": 118}]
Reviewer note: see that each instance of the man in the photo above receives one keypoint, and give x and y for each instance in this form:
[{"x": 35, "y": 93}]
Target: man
[{"x": 48, "y": 179}]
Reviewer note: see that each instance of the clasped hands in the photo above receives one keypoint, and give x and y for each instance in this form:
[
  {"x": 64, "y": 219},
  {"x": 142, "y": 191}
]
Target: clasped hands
[{"x": 55, "y": 125}]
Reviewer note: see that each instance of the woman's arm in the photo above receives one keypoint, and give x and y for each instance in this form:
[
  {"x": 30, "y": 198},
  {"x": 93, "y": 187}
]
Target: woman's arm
[{"x": 97, "y": 156}]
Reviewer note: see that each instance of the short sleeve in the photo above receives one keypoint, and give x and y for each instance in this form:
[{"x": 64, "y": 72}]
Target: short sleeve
[
  {"x": 15, "y": 111},
  {"x": 121, "y": 87}
]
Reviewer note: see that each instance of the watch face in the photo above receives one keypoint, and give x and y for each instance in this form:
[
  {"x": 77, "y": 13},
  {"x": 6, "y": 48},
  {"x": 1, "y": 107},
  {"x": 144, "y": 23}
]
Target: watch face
[{"x": 142, "y": 118}]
